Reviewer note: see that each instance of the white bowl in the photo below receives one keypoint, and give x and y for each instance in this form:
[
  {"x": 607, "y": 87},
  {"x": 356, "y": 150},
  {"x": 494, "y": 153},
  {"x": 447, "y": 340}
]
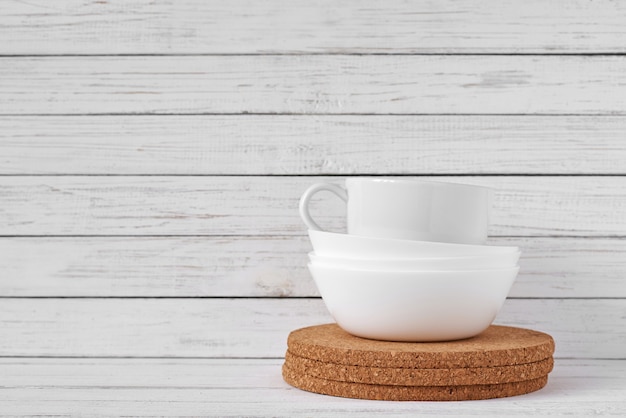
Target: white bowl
[
  {"x": 354, "y": 246},
  {"x": 413, "y": 305},
  {"x": 479, "y": 262}
]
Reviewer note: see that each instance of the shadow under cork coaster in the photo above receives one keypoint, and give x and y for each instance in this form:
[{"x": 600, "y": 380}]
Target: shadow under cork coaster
[
  {"x": 496, "y": 346},
  {"x": 418, "y": 377}
]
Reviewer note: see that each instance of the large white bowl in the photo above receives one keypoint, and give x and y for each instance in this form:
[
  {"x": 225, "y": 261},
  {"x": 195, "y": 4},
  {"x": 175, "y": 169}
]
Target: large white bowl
[
  {"x": 479, "y": 262},
  {"x": 354, "y": 246},
  {"x": 413, "y": 306}
]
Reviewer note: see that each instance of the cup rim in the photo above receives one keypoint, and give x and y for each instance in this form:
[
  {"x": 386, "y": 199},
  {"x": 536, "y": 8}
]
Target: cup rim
[{"x": 414, "y": 181}]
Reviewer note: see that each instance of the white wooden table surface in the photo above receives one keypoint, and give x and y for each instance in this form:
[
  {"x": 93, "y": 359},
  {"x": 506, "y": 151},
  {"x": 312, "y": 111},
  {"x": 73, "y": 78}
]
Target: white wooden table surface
[{"x": 152, "y": 155}]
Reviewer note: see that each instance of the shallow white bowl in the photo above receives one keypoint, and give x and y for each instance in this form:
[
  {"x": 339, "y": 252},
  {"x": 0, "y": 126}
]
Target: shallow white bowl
[
  {"x": 413, "y": 306},
  {"x": 353, "y": 246},
  {"x": 479, "y": 262}
]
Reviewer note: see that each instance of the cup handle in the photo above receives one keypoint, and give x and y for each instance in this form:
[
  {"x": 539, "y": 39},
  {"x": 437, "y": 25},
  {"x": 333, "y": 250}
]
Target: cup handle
[{"x": 308, "y": 194}]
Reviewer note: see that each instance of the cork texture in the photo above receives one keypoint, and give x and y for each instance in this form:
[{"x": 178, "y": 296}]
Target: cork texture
[
  {"x": 410, "y": 393},
  {"x": 418, "y": 377},
  {"x": 496, "y": 346}
]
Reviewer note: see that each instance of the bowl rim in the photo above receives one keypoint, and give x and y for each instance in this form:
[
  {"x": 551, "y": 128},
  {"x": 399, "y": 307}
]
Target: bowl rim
[
  {"x": 397, "y": 241},
  {"x": 515, "y": 268},
  {"x": 313, "y": 254}
]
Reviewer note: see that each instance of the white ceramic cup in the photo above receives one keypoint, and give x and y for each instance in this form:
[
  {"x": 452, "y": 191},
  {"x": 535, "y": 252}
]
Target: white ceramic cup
[{"x": 409, "y": 209}]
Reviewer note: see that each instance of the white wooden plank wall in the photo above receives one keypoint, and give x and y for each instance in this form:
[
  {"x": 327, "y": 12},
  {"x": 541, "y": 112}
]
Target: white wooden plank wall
[
  {"x": 152, "y": 155},
  {"x": 194, "y": 385}
]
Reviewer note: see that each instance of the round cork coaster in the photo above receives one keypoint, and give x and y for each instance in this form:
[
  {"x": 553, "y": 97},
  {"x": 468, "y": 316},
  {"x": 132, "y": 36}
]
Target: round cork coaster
[
  {"x": 411, "y": 393},
  {"x": 418, "y": 377},
  {"x": 496, "y": 346}
]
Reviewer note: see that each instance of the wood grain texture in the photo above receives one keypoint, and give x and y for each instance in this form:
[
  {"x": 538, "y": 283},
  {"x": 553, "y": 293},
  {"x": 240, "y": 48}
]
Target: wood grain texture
[
  {"x": 243, "y": 26},
  {"x": 582, "y": 328},
  {"x": 318, "y": 84},
  {"x": 303, "y": 144},
  {"x": 264, "y": 267},
  {"x": 236, "y": 388},
  {"x": 258, "y": 205}
]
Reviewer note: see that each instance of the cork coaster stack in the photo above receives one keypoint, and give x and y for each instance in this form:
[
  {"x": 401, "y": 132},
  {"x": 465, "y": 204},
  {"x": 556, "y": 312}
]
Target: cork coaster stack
[{"x": 500, "y": 362}]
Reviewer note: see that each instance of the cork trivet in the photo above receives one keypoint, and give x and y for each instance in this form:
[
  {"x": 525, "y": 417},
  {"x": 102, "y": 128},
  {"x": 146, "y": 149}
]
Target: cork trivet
[
  {"x": 411, "y": 393},
  {"x": 496, "y": 346},
  {"x": 418, "y": 377}
]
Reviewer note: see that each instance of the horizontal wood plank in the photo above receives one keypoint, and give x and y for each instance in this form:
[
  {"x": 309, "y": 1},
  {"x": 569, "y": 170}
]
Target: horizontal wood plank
[
  {"x": 582, "y": 328},
  {"x": 243, "y": 26},
  {"x": 318, "y": 84},
  {"x": 302, "y": 144},
  {"x": 223, "y": 205},
  {"x": 235, "y": 388},
  {"x": 264, "y": 267}
]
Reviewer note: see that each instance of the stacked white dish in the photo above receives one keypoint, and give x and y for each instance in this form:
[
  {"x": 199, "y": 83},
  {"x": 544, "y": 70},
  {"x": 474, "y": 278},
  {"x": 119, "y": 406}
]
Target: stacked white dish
[{"x": 411, "y": 289}]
